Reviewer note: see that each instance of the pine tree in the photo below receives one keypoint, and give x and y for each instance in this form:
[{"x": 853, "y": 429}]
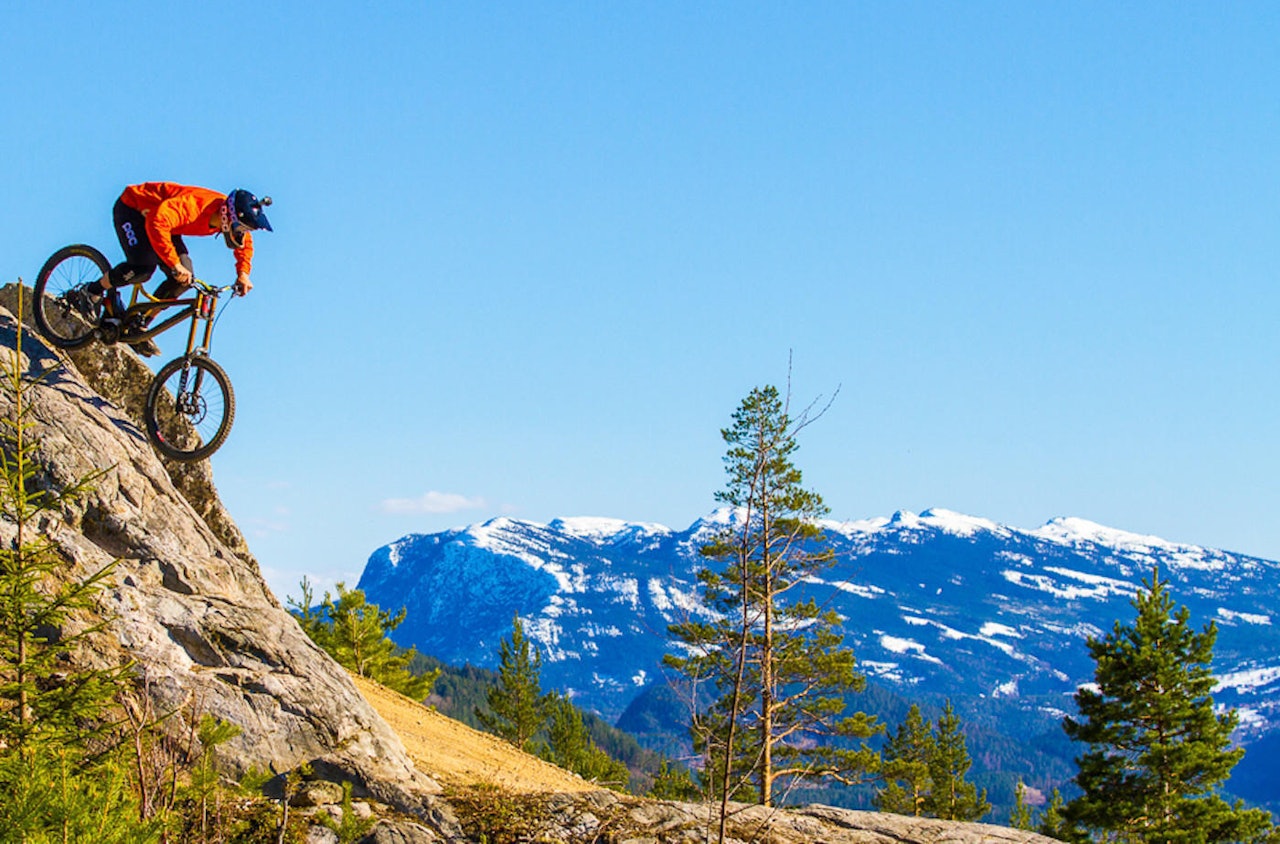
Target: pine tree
[
  {"x": 570, "y": 746},
  {"x": 951, "y": 796},
  {"x": 1020, "y": 817},
  {"x": 356, "y": 634},
  {"x": 777, "y": 666},
  {"x": 673, "y": 782},
  {"x": 1052, "y": 823},
  {"x": 59, "y": 777},
  {"x": 1157, "y": 752},
  {"x": 517, "y": 708},
  {"x": 906, "y": 767},
  {"x": 310, "y": 618}
]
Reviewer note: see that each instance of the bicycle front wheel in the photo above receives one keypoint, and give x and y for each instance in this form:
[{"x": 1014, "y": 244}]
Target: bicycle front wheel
[
  {"x": 67, "y": 269},
  {"x": 189, "y": 409}
]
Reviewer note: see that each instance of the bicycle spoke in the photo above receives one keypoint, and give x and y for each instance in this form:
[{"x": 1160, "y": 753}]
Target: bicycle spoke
[{"x": 189, "y": 408}]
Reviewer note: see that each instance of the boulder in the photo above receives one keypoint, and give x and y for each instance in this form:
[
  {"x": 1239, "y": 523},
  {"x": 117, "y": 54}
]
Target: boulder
[{"x": 186, "y": 602}]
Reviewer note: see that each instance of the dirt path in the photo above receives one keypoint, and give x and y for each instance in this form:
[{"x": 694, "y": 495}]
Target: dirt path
[{"x": 454, "y": 754}]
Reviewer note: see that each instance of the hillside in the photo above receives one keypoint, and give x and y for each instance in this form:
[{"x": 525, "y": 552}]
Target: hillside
[
  {"x": 457, "y": 755},
  {"x": 560, "y": 806}
]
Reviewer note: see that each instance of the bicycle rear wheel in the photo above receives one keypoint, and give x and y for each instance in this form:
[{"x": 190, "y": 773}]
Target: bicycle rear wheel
[
  {"x": 189, "y": 409},
  {"x": 70, "y": 267}
]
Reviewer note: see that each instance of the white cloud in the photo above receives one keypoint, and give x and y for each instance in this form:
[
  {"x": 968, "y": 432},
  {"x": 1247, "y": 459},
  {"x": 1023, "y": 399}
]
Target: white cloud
[{"x": 431, "y": 502}]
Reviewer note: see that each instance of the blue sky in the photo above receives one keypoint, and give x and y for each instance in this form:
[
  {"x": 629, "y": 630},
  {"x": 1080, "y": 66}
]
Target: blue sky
[{"x": 529, "y": 257}]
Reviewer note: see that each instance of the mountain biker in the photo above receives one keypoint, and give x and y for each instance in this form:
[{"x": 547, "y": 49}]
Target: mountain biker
[{"x": 150, "y": 221}]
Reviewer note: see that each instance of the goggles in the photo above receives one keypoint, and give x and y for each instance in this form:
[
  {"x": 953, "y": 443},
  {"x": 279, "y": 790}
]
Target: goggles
[
  {"x": 234, "y": 233},
  {"x": 233, "y": 230}
]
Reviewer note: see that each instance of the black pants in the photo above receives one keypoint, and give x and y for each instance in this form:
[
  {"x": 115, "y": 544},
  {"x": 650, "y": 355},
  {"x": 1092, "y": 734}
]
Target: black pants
[{"x": 140, "y": 259}]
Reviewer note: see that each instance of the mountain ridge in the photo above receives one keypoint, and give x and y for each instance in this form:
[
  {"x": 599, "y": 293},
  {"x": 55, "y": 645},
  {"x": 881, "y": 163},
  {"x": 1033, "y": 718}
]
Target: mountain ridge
[{"x": 937, "y": 604}]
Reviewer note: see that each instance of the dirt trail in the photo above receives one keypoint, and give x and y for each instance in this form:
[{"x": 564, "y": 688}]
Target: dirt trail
[{"x": 454, "y": 754}]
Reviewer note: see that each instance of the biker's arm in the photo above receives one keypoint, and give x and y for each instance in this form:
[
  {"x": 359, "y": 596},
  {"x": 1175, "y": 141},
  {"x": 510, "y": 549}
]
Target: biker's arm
[{"x": 244, "y": 263}]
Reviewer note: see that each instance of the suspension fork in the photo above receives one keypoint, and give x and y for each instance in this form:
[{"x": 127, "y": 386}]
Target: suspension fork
[{"x": 202, "y": 311}]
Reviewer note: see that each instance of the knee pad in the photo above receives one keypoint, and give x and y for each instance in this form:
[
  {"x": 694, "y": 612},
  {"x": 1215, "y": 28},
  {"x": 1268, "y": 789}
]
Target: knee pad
[
  {"x": 168, "y": 289},
  {"x": 126, "y": 273}
]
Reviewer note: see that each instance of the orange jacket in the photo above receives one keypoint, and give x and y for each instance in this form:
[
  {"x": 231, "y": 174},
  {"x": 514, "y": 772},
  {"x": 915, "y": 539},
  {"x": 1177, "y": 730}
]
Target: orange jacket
[{"x": 172, "y": 209}]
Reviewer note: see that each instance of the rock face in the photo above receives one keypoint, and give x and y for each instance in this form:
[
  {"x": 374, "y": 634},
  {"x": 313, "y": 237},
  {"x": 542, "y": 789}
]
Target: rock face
[
  {"x": 605, "y": 816},
  {"x": 187, "y": 603}
]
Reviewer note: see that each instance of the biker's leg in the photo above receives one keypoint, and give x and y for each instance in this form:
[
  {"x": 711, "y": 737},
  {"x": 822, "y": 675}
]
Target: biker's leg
[
  {"x": 140, "y": 260},
  {"x": 89, "y": 297},
  {"x": 170, "y": 288}
]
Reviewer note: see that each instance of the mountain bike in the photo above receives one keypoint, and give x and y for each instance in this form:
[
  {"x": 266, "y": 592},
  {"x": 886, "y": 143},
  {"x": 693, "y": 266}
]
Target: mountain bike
[{"x": 190, "y": 405}]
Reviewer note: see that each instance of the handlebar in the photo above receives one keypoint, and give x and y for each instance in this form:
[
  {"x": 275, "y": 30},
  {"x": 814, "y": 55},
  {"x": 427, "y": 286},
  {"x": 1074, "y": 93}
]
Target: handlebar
[{"x": 211, "y": 289}]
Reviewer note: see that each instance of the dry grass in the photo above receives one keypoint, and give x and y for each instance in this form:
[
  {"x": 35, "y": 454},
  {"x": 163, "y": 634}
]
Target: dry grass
[{"x": 454, "y": 754}]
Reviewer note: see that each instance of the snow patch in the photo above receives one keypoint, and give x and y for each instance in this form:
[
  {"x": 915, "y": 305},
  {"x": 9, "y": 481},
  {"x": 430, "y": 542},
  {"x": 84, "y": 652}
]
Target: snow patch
[
  {"x": 897, "y": 645},
  {"x": 852, "y": 529},
  {"x": 627, "y": 589},
  {"x": 1230, "y": 616},
  {"x": 1251, "y": 719},
  {"x": 857, "y": 589},
  {"x": 992, "y": 628},
  {"x": 893, "y": 644},
  {"x": 891, "y": 671},
  {"x": 1043, "y": 583},
  {"x": 546, "y": 632},
  {"x": 601, "y": 529},
  {"x": 958, "y": 524},
  {"x": 1007, "y": 689},
  {"x": 1249, "y": 680},
  {"x": 1074, "y": 531},
  {"x": 844, "y": 585}
]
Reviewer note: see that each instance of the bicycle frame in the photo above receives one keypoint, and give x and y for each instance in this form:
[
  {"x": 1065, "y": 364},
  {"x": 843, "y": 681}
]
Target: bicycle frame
[{"x": 202, "y": 306}]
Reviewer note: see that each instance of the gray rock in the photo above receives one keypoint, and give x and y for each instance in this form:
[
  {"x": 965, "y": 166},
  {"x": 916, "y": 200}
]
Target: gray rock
[
  {"x": 400, "y": 832},
  {"x": 187, "y": 602},
  {"x": 317, "y": 793},
  {"x": 628, "y": 819}
]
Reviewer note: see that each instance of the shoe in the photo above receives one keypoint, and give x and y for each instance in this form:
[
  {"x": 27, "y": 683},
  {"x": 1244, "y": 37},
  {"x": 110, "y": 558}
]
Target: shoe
[
  {"x": 135, "y": 323},
  {"x": 147, "y": 348},
  {"x": 84, "y": 302}
]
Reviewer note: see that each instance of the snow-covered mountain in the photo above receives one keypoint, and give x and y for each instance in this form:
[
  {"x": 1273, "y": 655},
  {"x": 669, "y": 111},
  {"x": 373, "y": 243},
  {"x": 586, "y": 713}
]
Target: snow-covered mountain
[{"x": 937, "y": 603}]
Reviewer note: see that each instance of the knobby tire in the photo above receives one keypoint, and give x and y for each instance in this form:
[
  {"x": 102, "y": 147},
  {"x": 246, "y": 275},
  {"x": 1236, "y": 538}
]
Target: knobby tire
[
  {"x": 70, "y": 266},
  {"x": 211, "y": 408}
]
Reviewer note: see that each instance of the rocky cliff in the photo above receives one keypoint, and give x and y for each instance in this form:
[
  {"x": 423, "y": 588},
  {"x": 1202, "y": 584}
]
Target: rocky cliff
[{"x": 187, "y": 604}]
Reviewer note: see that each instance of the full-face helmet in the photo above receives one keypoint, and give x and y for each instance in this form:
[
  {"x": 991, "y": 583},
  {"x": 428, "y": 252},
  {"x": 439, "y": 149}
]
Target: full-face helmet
[{"x": 241, "y": 214}]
